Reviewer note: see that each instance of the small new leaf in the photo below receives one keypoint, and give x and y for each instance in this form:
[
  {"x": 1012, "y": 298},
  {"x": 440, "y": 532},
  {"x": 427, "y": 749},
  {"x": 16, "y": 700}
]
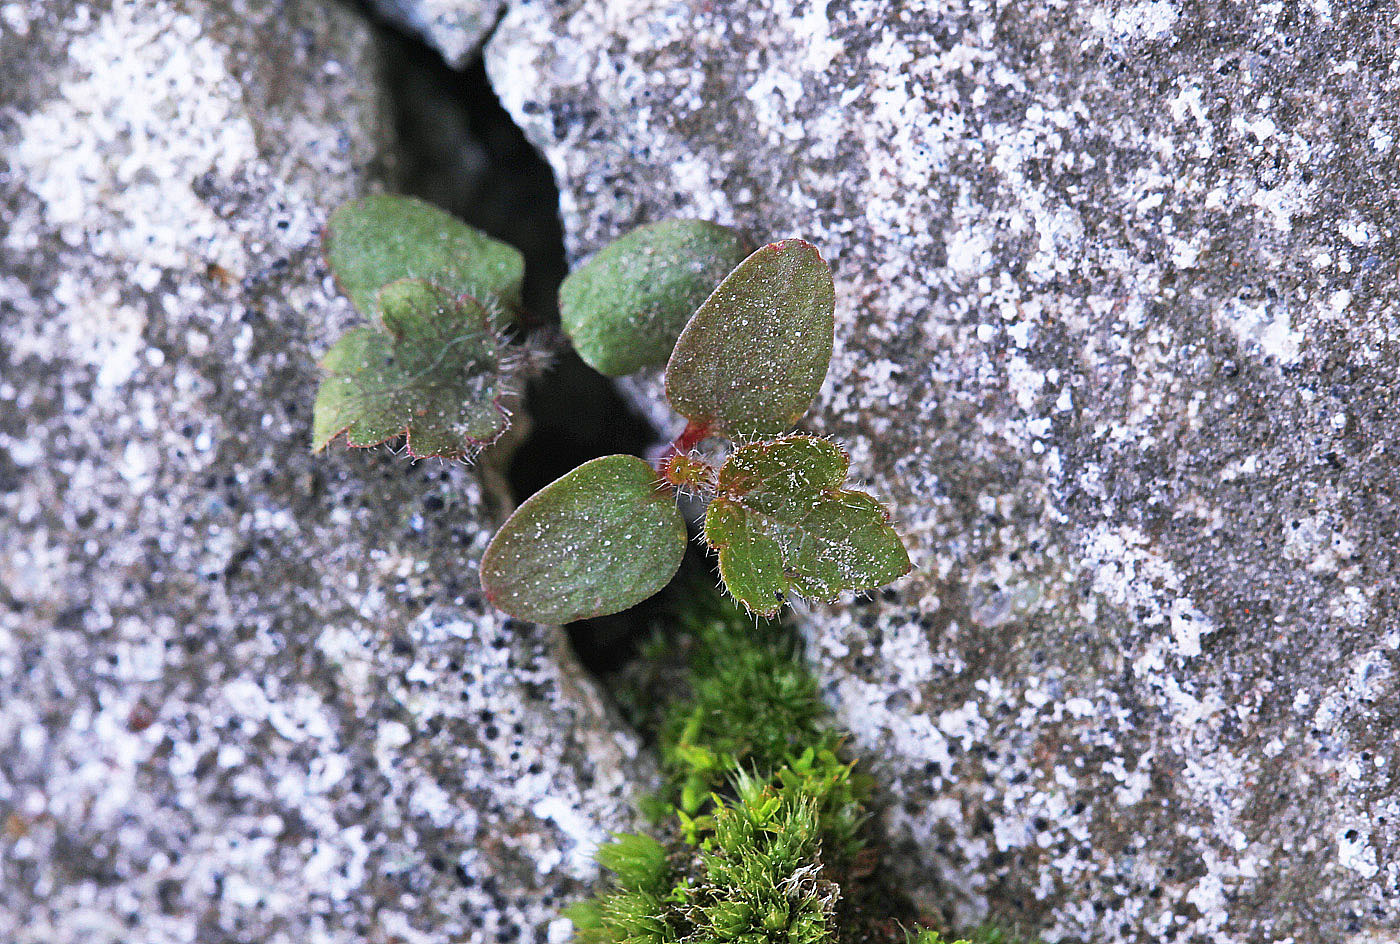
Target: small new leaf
[
  {"x": 625, "y": 307},
  {"x": 379, "y": 239},
  {"x": 756, "y": 352},
  {"x": 602, "y": 538},
  {"x": 433, "y": 373},
  {"x": 782, "y": 522}
]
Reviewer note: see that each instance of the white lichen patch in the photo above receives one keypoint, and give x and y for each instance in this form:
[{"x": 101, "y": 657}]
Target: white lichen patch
[
  {"x": 1355, "y": 852},
  {"x": 147, "y": 108},
  {"x": 1145, "y": 21},
  {"x": 1262, "y": 327},
  {"x": 1129, "y": 574}
]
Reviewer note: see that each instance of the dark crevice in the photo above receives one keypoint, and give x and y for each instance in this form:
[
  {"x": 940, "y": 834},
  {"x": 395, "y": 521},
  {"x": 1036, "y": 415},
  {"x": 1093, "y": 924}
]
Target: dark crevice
[{"x": 459, "y": 148}]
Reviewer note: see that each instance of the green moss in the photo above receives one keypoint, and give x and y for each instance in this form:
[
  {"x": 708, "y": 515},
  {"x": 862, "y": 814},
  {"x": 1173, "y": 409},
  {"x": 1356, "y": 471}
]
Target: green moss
[
  {"x": 928, "y": 936},
  {"x": 752, "y": 873},
  {"x": 752, "y": 704},
  {"x": 634, "y": 910},
  {"x": 754, "y": 707},
  {"x": 762, "y": 822},
  {"x": 763, "y": 875}
]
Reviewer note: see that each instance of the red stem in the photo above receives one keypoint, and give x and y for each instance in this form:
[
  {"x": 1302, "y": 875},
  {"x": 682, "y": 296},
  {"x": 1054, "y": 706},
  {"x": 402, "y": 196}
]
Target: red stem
[{"x": 694, "y": 434}]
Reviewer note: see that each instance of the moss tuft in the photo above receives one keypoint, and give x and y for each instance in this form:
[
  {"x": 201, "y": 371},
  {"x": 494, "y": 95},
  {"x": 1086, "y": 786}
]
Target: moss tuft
[
  {"x": 763, "y": 821},
  {"x": 763, "y": 872},
  {"x": 754, "y": 707},
  {"x": 634, "y": 910}
]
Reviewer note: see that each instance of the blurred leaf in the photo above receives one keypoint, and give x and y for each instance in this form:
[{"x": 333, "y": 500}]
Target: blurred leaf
[
  {"x": 379, "y": 239},
  {"x": 433, "y": 373},
  {"x": 625, "y": 307},
  {"x": 782, "y": 522},
  {"x": 756, "y": 353},
  {"x": 600, "y": 539}
]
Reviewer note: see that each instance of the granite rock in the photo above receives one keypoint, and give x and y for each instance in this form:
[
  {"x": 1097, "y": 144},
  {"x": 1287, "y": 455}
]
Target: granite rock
[
  {"x": 455, "y": 28},
  {"x": 1118, "y": 326},
  {"x": 246, "y": 693}
]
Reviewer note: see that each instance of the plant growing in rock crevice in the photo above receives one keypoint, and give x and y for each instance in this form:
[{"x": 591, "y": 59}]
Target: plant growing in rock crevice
[
  {"x": 746, "y": 342},
  {"x": 744, "y": 369},
  {"x": 767, "y": 823}
]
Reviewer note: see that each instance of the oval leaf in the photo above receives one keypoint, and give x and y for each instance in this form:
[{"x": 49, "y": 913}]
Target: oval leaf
[
  {"x": 600, "y": 539},
  {"x": 625, "y": 307},
  {"x": 756, "y": 353},
  {"x": 433, "y": 373},
  {"x": 782, "y": 522},
  {"x": 379, "y": 239}
]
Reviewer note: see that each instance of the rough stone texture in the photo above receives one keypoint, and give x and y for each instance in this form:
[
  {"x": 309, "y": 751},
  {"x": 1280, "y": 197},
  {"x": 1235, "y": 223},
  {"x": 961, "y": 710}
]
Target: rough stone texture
[
  {"x": 1118, "y": 330},
  {"x": 246, "y": 694},
  {"x": 455, "y": 28}
]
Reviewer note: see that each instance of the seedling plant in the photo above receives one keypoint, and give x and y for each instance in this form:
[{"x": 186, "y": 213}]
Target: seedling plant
[
  {"x": 763, "y": 824},
  {"x": 746, "y": 342}
]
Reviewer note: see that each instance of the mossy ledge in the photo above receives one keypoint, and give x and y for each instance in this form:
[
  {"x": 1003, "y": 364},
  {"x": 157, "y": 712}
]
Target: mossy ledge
[{"x": 761, "y": 829}]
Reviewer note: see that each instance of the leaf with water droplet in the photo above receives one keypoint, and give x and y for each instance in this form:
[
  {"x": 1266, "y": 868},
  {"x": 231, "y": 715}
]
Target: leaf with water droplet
[
  {"x": 379, "y": 239},
  {"x": 602, "y": 538},
  {"x": 434, "y": 373},
  {"x": 755, "y": 354},
  {"x": 782, "y": 523},
  {"x": 625, "y": 307}
]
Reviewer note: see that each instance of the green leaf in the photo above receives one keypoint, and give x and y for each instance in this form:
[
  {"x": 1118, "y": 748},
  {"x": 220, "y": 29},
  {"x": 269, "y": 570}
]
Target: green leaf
[
  {"x": 600, "y": 539},
  {"x": 756, "y": 353},
  {"x": 433, "y": 373},
  {"x": 379, "y": 239},
  {"x": 782, "y": 522},
  {"x": 625, "y": 307}
]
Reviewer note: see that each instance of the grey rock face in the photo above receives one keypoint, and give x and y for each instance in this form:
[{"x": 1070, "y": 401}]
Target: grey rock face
[
  {"x": 1117, "y": 337},
  {"x": 455, "y": 28},
  {"x": 246, "y": 694}
]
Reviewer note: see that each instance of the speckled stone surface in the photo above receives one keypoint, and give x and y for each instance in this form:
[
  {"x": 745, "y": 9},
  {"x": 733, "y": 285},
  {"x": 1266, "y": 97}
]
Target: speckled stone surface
[
  {"x": 455, "y": 28},
  {"x": 1118, "y": 333},
  {"x": 246, "y": 694}
]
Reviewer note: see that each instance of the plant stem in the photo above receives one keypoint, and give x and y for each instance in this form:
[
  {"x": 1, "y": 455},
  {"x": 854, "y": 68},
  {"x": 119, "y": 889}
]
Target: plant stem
[{"x": 694, "y": 434}]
